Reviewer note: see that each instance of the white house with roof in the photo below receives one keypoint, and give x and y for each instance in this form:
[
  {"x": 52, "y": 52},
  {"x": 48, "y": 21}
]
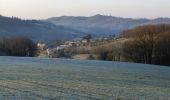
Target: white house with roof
[{"x": 41, "y": 45}]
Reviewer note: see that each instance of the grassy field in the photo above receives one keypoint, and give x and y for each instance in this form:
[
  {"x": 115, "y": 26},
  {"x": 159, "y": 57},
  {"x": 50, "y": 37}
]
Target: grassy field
[{"x": 59, "y": 79}]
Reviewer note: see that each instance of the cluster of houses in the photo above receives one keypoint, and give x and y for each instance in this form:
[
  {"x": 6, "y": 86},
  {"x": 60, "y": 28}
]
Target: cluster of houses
[{"x": 60, "y": 50}]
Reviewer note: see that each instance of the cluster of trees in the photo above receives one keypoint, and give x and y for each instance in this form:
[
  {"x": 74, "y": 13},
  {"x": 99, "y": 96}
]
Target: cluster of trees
[
  {"x": 88, "y": 37},
  {"x": 148, "y": 44},
  {"x": 109, "y": 52},
  {"x": 17, "y": 47}
]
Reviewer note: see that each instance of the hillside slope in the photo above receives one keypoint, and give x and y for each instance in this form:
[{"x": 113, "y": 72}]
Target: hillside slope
[
  {"x": 34, "y": 29},
  {"x": 99, "y": 24},
  {"x": 70, "y": 27}
]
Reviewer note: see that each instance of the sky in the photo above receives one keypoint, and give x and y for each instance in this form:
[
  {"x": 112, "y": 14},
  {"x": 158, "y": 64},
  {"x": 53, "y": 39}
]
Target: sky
[{"x": 41, "y": 9}]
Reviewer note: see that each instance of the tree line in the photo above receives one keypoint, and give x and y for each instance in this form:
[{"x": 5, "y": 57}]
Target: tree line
[
  {"x": 17, "y": 46},
  {"x": 149, "y": 44}
]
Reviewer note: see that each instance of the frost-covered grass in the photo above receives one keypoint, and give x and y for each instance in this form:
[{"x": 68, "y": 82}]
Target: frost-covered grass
[{"x": 55, "y": 79}]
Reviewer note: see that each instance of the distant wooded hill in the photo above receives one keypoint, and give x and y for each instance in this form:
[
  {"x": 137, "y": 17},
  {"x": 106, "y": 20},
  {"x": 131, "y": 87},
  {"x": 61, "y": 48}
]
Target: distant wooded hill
[
  {"x": 103, "y": 25},
  {"x": 35, "y": 29},
  {"x": 70, "y": 27}
]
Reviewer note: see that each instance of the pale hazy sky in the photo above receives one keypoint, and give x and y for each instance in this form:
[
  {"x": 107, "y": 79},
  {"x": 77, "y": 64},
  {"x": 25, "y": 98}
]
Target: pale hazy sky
[{"x": 39, "y": 9}]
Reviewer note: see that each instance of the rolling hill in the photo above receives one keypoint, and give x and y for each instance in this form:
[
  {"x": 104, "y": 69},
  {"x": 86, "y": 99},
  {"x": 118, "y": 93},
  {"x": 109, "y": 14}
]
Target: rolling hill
[
  {"x": 103, "y": 25},
  {"x": 70, "y": 27},
  {"x": 35, "y": 29}
]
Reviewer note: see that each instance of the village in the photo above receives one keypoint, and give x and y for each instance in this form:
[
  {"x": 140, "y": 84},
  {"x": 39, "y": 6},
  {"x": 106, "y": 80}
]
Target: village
[{"x": 68, "y": 49}]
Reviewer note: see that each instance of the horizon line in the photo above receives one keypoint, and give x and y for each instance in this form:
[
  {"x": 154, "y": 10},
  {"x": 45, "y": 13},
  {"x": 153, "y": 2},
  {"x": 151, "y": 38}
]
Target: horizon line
[{"x": 84, "y": 16}]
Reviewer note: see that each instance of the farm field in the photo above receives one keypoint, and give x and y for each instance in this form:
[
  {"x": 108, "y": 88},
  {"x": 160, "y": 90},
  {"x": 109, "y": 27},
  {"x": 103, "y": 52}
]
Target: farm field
[{"x": 63, "y": 79}]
